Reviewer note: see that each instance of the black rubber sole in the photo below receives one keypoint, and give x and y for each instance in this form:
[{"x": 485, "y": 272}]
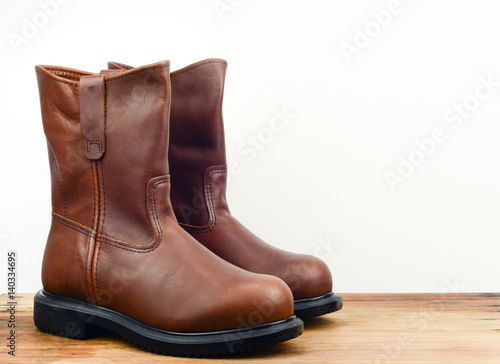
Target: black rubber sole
[
  {"x": 317, "y": 306},
  {"x": 68, "y": 317}
]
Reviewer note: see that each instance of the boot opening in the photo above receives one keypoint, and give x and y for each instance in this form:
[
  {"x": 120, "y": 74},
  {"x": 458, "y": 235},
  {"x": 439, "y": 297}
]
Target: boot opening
[{"x": 65, "y": 73}]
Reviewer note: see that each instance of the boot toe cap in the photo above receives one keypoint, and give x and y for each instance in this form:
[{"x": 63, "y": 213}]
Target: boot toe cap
[
  {"x": 311, "y": 278},
  {"x": 262, "y": 300}
]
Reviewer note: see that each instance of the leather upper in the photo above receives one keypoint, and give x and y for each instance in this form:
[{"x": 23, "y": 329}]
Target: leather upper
[{"x": 115, "y": 240}]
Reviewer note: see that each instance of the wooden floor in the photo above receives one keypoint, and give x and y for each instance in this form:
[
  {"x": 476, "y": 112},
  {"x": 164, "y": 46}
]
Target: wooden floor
[{"x": 371, "y": 328}]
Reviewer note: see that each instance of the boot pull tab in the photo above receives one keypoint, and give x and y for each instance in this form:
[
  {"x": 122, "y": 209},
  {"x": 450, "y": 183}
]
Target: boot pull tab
[{"x": 92, "y": 115}]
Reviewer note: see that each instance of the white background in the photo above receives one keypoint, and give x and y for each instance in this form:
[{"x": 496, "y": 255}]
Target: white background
[{"x": 319, "y": 185}]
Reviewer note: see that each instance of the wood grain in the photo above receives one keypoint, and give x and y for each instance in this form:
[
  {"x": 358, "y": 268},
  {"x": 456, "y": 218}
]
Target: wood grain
[{"x": 371, "y": 328}]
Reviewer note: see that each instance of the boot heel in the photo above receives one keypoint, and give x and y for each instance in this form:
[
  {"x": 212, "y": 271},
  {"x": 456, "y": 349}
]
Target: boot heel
[{"x": 58, "y": 320}]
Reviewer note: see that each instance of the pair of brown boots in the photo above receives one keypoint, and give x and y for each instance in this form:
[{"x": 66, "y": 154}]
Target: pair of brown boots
[{"x": 149, "y": 252}]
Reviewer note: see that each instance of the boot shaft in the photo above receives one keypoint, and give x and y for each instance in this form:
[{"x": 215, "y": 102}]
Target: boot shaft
[
  {"x": 197, "y": 155},
  {"x": 107, "y": 138}
]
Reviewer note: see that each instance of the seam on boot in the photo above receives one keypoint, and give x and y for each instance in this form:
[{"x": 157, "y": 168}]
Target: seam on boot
[
  {"x": 59, "y": 181},
  {"x": 212, "y": 216},
  {"x": 120, "y": 244}
]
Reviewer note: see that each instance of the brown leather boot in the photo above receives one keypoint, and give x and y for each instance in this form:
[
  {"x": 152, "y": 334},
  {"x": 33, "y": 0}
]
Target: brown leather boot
[
  {"x": 116, "y": 259},
  {"x": 198, "y": 162}
]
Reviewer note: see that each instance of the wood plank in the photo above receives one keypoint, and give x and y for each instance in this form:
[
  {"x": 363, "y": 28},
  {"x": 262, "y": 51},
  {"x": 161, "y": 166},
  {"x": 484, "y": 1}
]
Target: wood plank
[{"x": 371, "y": 328}]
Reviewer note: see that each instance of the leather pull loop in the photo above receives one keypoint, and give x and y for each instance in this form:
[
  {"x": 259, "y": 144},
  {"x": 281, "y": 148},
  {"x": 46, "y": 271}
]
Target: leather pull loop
[{"x": 92, "y": 115}]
